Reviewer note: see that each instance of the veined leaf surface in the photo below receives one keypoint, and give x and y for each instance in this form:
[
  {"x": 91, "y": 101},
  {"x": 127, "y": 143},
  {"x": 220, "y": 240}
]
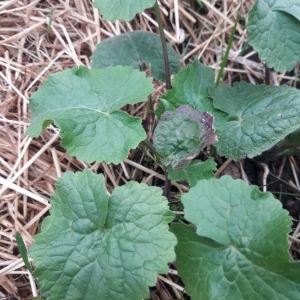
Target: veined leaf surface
[
  {"x": 258, "y": 117},
  {"x": 85, "y": 105},
  {"x": 96, "y": 246},
  {"x": 274, "y": 27},
  {"x": 133, "y": 49},
  {"x": 190, "y": 87},
  {"x": 239, "y": 249},
  {"x": 180, "y": 135}
]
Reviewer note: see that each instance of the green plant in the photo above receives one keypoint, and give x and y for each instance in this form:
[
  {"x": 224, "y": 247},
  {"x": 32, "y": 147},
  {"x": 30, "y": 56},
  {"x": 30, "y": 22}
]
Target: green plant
[
  {"x": 100, "y": 246},
  {"x": 274, "y": 32}
]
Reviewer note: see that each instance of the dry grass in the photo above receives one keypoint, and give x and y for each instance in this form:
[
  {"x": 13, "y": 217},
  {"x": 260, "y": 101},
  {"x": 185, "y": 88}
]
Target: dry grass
[{"x": 41, "y": 37}]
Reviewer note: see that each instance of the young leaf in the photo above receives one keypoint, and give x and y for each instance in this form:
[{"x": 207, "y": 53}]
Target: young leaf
[
  {"x": 84, "y": 104},
  {"x": 190, "y": 87},
  {"x": 182, "y": 134},
  {"x": 96, "y": 246},
  {"x": 194, "y": 172},
  {"x": 274, "y": 28},
  {"x": 258, "y": 117},
  {"x": 121, "y": 9},
  {"x": 23, "y": 251},
  {"x": 133, "y": 49},
  {"x": 240, "y": 250}
]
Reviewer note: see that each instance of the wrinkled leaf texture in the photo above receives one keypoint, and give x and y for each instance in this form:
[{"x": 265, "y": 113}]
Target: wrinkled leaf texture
[
  {"x": 274, "y": 32},
  {"x": 96, "y": 246},
  {"x": 180, "y": 135},
  {"x": 134, "y": 49},
  {"x": 239, "y": 249},
  {"x": 85, "y": 105},
  {"x": 248, "y": 119}
]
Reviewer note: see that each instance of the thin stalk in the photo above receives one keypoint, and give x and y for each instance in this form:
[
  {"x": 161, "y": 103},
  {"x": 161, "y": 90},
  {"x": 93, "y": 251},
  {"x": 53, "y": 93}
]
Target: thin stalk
[
  {"x": 150, "y": 146},
  {"x": 167, "y": 189},
  {"x": 164, "y": 45},
  {"x": 288, "y": 185},
  {"x": 267, "y": 75},
  {"x": 50, "y": 22},
  {"x": 225, "y": 58},
  {"x": 151, "y": 109}
]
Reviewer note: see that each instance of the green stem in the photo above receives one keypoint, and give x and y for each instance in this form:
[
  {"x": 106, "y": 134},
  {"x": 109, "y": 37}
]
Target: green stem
[
  {"x": 164, "y": 45},
  {"x": 50, "y": 22},
  {"x": 225, "y": 58}
]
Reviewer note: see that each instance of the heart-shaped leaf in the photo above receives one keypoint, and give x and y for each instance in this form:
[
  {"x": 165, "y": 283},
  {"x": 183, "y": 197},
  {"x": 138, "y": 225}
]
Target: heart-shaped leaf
[
  {"x": 258, "y": 117},
  {"x": 96, "y": 246},
  {"x": 84, "y": 104},
  {"x": 240, "y": 250},
  {"x": 133, "y": 49},
  {"x": 274, "y": 27}
]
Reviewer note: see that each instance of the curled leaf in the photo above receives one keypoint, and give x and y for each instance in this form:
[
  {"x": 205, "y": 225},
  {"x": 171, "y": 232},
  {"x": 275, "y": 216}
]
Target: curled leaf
[{"x": 181, "y": 134}]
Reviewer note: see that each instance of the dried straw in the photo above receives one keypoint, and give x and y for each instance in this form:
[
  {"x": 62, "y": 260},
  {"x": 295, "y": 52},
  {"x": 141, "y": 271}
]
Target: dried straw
[{"x": 41, "y": 37}]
